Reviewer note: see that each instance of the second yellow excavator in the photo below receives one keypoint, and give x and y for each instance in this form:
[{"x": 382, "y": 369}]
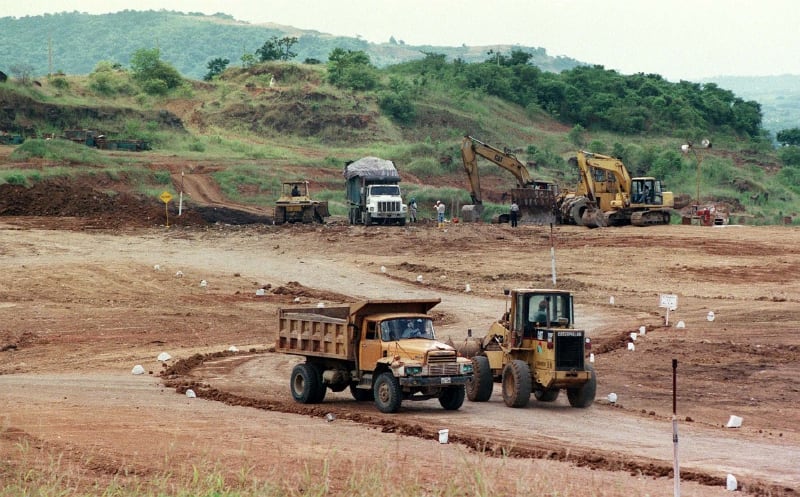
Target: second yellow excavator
[{"x": 607, "y": 195}]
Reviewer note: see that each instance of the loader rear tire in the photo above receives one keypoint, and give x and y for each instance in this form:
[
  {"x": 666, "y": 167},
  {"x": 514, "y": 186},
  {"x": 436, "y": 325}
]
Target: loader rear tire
[
  {"x": 452, "y": 398},
  {"x": 583, "y": 396},
  {"x": 479, "y": 387},
  {"x": 306, "y": 384},
  {"x": 388, "y": 395},
  {"x": 517, "y": 384},
  {"x": 546, "y": 395}
]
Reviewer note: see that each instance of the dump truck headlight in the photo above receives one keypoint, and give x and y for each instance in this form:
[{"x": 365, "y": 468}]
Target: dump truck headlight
[
  {"x": 412, "y": 370},
  {"x": 466, "y": 368}
]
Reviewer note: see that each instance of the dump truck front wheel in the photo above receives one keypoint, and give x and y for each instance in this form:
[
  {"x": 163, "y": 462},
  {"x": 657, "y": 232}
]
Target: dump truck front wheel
[
  {"x": 388, "y": 395},
  {"x": 479, "y": 387},
  {"x": 517, "y": 384}
]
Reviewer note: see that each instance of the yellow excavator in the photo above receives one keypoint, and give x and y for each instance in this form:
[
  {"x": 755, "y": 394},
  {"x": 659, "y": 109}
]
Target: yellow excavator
[
  {"x": 607, "y": 195},
  {"x": 536, "y": 199}
]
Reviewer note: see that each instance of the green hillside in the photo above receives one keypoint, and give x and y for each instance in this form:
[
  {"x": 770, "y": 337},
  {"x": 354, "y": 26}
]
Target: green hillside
[
  {"x": 288, "y": 120},
  {"x": 73, "y": 42}
]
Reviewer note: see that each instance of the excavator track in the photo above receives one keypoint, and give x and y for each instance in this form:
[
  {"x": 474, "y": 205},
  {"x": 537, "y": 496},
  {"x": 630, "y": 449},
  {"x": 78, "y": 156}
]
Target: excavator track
[{"x": 650, "y": 218}]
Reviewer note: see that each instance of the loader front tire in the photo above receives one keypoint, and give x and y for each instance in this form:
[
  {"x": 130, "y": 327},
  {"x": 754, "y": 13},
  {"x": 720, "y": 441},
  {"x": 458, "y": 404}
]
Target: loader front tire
[
  {"x": 452, "y": 398},
  {"x": 517, "y": 384},
  {"x": 479, "y": 387}
]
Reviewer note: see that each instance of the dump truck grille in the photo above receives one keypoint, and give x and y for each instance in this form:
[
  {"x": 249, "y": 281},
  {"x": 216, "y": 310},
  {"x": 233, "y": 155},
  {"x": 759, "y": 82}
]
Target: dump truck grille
[
  {"x": 442, "y": 363},
  {"x": 569, "y": 350},
  {"x": 389, "y": 206},
  {"x": 450, "y": 369}
]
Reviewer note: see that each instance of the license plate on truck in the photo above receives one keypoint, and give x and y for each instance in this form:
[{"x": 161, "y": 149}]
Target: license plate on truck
[{"x": 446, "y": 380}]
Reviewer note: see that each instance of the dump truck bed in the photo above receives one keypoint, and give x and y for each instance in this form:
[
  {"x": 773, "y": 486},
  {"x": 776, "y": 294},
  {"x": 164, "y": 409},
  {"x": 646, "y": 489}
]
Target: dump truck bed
[
  {"x": 327, "y": 331},
  {"x": 313, "y": 331}
]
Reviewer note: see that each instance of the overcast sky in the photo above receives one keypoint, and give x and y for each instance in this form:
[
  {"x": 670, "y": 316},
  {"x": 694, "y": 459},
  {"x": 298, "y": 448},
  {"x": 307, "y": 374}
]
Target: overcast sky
[{"x": 679, "y": 39}]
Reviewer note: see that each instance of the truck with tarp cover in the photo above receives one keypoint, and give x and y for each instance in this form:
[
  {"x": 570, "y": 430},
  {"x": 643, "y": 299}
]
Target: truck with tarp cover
[{"x": 373, "y": 192}]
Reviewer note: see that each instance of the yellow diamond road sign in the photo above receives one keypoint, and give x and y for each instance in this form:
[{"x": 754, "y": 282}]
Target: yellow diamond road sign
[{"x": 165, "y": 196}]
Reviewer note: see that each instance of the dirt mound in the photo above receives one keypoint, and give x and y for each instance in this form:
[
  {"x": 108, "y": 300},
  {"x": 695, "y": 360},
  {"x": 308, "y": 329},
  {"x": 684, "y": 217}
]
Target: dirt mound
[{"x": 82, "y": 198}]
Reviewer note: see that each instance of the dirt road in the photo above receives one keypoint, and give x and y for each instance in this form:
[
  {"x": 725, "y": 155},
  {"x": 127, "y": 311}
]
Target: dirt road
[{"x": 80, "y": 308}]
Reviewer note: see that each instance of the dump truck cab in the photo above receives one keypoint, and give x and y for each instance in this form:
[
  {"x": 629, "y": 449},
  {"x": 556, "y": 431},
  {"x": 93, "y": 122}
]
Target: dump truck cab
[{"x": 406, "y": 344}]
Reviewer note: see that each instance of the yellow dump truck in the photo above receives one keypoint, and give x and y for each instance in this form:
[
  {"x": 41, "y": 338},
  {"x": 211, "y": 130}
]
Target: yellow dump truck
[{"x": 382, "y": 350}]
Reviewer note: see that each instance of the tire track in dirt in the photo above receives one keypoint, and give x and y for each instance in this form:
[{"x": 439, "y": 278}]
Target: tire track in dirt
[{"x": 183, "y": 375}]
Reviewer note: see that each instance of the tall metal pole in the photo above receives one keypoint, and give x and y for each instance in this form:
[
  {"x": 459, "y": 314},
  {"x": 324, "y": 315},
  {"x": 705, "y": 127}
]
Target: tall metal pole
[
  {"x": 676, "y": 466},
  {"x": 552, "y": 255}
]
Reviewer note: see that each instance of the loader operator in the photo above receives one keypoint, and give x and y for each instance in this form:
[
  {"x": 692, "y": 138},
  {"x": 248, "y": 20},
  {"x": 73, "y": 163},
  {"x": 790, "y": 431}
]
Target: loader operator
[
  {"x": 295, "y": 191},
  {"x": 541, "y": 314}
]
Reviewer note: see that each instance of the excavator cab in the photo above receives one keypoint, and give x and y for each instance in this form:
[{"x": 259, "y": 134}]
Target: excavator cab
[{"x": 646, "y": 191}]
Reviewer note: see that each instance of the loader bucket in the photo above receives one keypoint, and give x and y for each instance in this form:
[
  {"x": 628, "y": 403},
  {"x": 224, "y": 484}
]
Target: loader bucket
[{"x": 469, "y": 347}]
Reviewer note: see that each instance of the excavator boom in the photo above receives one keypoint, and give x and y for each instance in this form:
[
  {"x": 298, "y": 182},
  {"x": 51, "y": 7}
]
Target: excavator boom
[{"x": 536, "y": 199}]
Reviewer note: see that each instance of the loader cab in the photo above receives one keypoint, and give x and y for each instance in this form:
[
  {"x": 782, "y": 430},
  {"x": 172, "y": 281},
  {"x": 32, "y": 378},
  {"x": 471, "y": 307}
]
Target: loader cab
[{"x": 538, "y": 309}]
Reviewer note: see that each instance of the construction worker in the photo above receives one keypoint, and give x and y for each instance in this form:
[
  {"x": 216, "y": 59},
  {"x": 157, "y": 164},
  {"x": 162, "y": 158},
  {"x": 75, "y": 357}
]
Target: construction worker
[
  {"x": 412, "y": 210},
  {"x": 514, "y": 213},
  {"x": 439, "y": 214}
]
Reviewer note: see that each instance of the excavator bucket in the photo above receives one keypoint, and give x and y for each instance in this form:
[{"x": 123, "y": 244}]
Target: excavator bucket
[
  {"x": 593, "y": 217},
  {"x": 535, "y": 206}
]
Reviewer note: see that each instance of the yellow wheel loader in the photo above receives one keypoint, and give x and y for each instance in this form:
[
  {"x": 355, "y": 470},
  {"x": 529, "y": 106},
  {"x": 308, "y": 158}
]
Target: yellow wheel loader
[{"x": 532, "y": 349}]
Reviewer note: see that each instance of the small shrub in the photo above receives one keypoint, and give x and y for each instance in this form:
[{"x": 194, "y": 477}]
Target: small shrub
[
  {"x": 15, "y": 179},
  {"x": 60, "y": 83},
  {"x": 163, "y": 177}
]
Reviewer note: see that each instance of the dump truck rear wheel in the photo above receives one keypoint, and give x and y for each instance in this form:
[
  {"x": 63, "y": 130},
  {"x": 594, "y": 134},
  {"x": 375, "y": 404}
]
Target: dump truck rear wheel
[
  {"x": 361, "y": 394},
  {"x": 306, "y": 384},
  {"x": 388, "y": 395},
  {"x": 452, "y": 398},
  {"x": 583, "y": 396},
  {"x": 479, "y": 387},
  {"x": 546, "y": 395},
  {"x": 517, "y": 384}
]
